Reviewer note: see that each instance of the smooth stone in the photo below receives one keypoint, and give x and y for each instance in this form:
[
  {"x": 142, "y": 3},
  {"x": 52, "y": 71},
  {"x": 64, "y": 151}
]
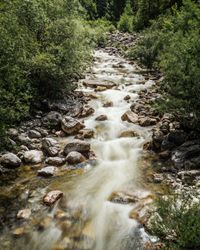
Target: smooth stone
[
  {"x": 51, "y": 197},
  {"x": 130, "y": 116},
  {"x": 10, "y": 160},
  {"x": 55, "y": 161},
  {"x": 48, "y": 171},
  {"x": 75, "y": 158},
  {"x": 101, "y": 118},
  {"x": 147, "y": 121},
  {"x": 33, "y": 156},
  {"x": 128, "y": 133},
  {"x": 34, "y": 134},
  {"x": 85, "y": 134},
  {"x": 78, "y": 146}
]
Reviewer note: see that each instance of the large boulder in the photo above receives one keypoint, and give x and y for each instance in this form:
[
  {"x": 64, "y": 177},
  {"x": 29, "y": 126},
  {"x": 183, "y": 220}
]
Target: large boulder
[
  {"x": 52, "y": 119},
  {"x": 71, "y": 126},
  {"x": 50, "y": 146},
  {"x": 33, "y": 156},
  {"x": 75, "y": 158},
  {"x": 10, "y": 160},
  {"x": 187, "y": 156},
  {"x": 78, "y": 146}
]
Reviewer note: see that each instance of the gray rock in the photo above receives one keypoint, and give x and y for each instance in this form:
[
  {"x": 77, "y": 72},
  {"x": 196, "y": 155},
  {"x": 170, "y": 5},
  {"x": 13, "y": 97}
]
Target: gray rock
[
  {"x": 55, "y": 161},
  {"x": 52, "y": 119},
  {"x": 70, "y": 125},
  {"x": 78, "y": 146},
  {"x": 75, "y": 158},
  {"x": 34, "y": 134},
  {"x": 50, "y": 146},
  {"x": 33, "y": 156},
  {"x": 47, "y": 171},
  {"x": 187, "y": 155},
  {"x": 24, "y": 214},
  {"x": 10, "y": 160}
]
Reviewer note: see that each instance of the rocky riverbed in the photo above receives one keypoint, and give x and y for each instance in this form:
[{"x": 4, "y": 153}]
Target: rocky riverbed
[{"x": 84, "y": 172}]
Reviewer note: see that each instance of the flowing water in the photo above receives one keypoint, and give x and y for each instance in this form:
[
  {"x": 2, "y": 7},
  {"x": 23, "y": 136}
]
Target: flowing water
[{"x": 87, "y": 217}]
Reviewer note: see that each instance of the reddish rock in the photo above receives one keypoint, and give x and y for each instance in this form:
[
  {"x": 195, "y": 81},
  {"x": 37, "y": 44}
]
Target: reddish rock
[{"x": 51, "y": 197}]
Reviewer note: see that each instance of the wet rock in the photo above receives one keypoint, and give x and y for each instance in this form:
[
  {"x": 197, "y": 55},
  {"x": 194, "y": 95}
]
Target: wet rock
[
  {"x": 187, "y": 155},
  {"x": 75, "y": 158},
  {"x": 47, "y": 171},
  {"x": 147, "y": 121},
  {"x": 100, "y": 88},
  {"x": 50, "y": 198},
  {"x": 24, "y": 214},
  {"x": 86, "y": 111},
  {"x": 177, "y": 137},
  {"x": 34, "y": 134},
  {"x": 101, "y": 118},
  {"x": 50, "y": 146},
  {"x": 85, "y": 134},
  {"x": 55, "y": 161},
  {"x": 10, "y": 160},
  {"x": 52, "y": 119},
  {"x": 78, "y": 146},
  {"x": 70, "y": 125},
  {"x": 127, "y": 98},
  {"x": 129, "y": 133},
  {"x": 129, "y": 116},
  {"x": 122, "y": 198},
  {"x": 95, "y": 84},
  {"x": 108, "y": 104},
  {"x": 33, "y": 156}
]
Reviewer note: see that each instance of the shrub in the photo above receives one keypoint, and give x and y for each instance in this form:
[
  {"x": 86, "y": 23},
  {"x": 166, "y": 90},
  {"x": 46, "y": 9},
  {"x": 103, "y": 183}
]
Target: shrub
[
  {"x": 177, "y": 222},
  {"x": 125, "y": 23}
]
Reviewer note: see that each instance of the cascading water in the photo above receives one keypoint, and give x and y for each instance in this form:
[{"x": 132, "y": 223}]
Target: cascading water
[{"x": 99, "y": 223}]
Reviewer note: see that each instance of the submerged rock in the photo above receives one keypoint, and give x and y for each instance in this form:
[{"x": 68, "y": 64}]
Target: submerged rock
[
  {"x": 78, "y": 146},
  {"x": 33, "y": 156},
  {"x": 75, "y": 158},
  {"x": 51, "y": 197},
  {"x": 50, "y": 146},
  {"x": 10, "y": 160},
  {"x": 108, "y": 104},
  {"x": 71, "y": 126}
]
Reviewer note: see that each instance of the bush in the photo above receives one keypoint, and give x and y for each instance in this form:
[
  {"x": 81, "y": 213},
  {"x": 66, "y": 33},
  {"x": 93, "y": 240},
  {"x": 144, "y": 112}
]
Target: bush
[
  {"x": 125, "y": 23},
  {"x": 177, "y": 222},
  {"x": 43, "y": 47}
]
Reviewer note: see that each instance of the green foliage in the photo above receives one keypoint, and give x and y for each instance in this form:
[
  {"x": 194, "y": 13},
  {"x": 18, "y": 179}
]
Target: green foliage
[
  {"x": 125, "y": 23},
  {"x": 44, "y": 47},
  {"x": 172, "y": 45},
  {"x": 177, "y": 222}
]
